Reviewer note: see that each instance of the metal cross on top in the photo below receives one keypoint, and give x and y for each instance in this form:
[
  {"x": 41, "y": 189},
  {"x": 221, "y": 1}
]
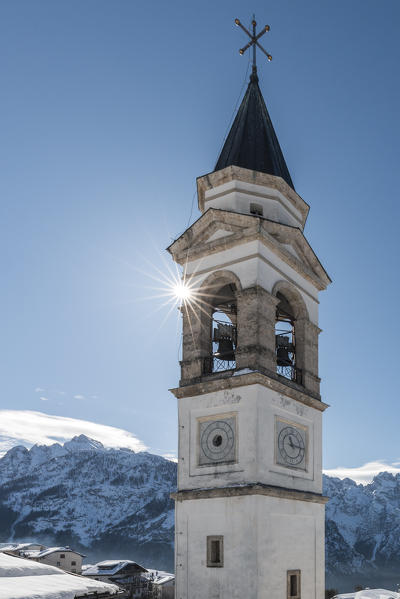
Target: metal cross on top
[{"x": 254, "y": 40}]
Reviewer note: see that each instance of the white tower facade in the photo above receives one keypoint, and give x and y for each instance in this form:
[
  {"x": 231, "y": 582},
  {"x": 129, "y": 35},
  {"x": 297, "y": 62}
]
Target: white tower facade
[{"x": 249, "y": 503}]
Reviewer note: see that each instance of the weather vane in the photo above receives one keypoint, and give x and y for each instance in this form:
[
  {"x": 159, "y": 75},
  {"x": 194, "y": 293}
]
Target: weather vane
[{"x": 254, "y": 40}]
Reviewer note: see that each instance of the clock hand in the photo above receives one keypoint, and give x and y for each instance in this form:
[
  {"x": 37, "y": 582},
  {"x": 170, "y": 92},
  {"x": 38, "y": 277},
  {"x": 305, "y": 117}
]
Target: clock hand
[
  {"x": 292, "y": 445},
  {"x": 298, "y": 446}
]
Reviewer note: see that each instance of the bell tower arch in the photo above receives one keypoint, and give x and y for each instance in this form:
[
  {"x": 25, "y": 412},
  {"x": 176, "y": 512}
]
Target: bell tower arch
[{"x": 249, "y": 503}]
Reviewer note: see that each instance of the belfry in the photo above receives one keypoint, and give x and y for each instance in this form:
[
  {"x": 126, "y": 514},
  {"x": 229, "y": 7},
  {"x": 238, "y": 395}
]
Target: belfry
[{"x": 249, "y": 504}]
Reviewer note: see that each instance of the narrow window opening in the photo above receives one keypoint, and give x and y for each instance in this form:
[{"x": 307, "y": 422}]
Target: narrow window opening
[
  {"x": 215, "y": 552},
  {"x": 293, "y": 584},
  {"x": 215, "y": 548},
  {"x": 256, "y": 209},
  {"x": 286, "y": 341},
  {"x": 223, "y": 332}
]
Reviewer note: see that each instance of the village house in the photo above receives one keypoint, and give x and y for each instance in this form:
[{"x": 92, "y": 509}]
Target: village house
[
  {"x": 128, "y": 575},
  {"x": 164, "y": 587},
  {"x": 21, "y": 548},
  {"x": 61, "y": 557}
]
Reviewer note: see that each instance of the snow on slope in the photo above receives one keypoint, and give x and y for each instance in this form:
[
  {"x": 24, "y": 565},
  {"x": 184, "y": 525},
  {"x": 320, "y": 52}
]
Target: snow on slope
[
  {"x": 114, "y": 503},
  {"x": 25, "y": 579},
  {"x": 90, "y": 497},
  {"x": 363, "y": 529}
]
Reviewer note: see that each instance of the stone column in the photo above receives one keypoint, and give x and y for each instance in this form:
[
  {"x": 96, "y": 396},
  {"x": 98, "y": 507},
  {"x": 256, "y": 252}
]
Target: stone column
[
  {"x": 307, "y": 353},
  {"x": 196, "y": 342},
  {"x": 256, "y": 329}
]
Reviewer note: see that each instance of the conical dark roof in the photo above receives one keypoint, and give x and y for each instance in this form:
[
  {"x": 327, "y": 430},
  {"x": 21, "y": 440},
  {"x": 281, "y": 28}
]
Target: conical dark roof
[{"x": 252, "y": 141}]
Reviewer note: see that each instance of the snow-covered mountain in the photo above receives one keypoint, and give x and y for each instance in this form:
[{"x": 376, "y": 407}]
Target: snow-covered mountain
[
  {"x": 116, "y": 503},
  {"x": 105, "y": 502},
  {"x": 363, "y": 532}
]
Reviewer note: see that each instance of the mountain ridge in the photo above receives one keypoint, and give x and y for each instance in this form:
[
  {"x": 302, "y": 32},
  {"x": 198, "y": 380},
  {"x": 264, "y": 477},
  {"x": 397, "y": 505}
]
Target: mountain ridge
[
  {"x": 96, "y": 499},
  {"x": 116, "y": 503}
]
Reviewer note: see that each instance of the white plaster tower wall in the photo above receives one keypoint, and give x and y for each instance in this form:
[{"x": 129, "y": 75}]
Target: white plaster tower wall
[
  {"x": 249, "y": 507},
  {"x": 261, "y": 534}
]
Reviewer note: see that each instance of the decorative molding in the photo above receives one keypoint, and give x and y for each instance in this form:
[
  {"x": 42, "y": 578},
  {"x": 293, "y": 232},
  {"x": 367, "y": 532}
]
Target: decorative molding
[
  {"x": 238, "y": 173},
  {"x": 261, "y": 195},
  {"x": 250, "y": 489},
  {"x": 247, "y": 228},
  {"x": 250, "y": 378}
]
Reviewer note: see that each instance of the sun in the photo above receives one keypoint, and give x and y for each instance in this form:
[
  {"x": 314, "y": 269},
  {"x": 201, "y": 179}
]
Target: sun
[{"x": 182, "y": 291}]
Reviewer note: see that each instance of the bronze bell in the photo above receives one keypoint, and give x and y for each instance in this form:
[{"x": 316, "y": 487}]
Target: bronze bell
[
  {"x": 282, "y": 357},
  {"x": 225, "y": 350},
  {"x": 283, "y": 348}
]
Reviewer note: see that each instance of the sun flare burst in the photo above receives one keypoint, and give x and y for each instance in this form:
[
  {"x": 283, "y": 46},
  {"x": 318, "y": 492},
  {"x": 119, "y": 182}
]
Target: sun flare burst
[
  {"x": 172, "y": 288},
  {"x": 182, "y": 291}
]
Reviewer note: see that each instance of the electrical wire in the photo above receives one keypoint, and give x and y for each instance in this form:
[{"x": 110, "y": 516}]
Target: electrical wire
[{"x": 191, "y": 210}]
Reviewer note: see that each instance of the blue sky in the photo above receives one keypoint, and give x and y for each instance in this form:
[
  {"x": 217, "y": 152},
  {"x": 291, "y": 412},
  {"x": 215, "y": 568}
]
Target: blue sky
[{"x": 108, "y": 113}]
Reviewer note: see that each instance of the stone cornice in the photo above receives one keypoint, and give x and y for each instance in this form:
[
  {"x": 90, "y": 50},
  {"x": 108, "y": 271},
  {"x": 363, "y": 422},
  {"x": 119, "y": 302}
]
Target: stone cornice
[
  {"x": 244, "y": 229},
  {"x": 249, "y": 489},
  {"x": 232, "y": 381}
]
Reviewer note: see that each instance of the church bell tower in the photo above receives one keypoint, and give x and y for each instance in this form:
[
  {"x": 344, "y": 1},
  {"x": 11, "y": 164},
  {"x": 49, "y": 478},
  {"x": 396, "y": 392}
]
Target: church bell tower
[{"x": 249, "y": 503}]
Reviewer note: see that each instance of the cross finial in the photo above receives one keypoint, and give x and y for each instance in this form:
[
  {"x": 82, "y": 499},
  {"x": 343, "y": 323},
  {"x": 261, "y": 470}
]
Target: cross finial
[{"x": 254, "y": 37}]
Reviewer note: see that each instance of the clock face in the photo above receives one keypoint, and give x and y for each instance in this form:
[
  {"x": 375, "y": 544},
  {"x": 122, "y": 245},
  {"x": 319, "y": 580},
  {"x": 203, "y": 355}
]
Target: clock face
[
  {"x": 217, "y": 440},
  {"x": 291, "y": 445}
]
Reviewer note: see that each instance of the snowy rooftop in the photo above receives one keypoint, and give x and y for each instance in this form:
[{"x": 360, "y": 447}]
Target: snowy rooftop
[
  {"x": 159, "y": 576},
  {"x": 25, "y": 579},
  {"x": 31, "y": 553},
  {"x": 370, "y": 594},
  {"x": 164, "y": 579},
  {"x": 50, "y": 550},
  {"x": 110, "y": 567},
  {"x": 20, "y": 546}
]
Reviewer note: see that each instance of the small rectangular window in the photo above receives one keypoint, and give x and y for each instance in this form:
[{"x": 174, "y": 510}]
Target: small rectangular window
[
  {"x": 293, "y": 584},
  {"x": 58, "y": 563},
  {"x": 215, "y": 551},
  {"x": 256, "y": 209},
  {"x": 62, "y": 555},
  {"x": 73, "y": 563}
]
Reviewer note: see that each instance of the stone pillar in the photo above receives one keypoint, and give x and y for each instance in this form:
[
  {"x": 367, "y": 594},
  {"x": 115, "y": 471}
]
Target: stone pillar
[
  {"x": 196, "y": 341},
  {"x": 307, "y": 353},
  {"x": 256, "y": 329}
]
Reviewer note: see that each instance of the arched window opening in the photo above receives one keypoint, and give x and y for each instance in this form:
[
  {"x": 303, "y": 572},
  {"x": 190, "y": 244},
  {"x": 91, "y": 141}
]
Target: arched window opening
[
  {"x": 285, "y": 340},
  {"x": 223, "y": 334}
]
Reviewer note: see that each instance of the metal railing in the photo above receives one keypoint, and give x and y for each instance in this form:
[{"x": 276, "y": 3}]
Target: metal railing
[
  {"x": 214, "y": 364},
  {"x": 291, "y": 373}
]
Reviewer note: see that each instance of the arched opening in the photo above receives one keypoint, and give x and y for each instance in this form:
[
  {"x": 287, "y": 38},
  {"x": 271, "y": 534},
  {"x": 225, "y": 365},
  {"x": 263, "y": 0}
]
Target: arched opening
[
  {"x": 223, "y": 330},
  {"x": 285, "y": 340}
]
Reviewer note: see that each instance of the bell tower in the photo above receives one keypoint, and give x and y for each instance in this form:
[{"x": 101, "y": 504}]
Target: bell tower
[{"x": 249, "y": 503}]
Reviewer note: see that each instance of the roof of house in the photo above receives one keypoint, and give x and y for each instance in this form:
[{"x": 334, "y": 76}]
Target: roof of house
[
  {"x": 50, "y": 550},
  {"x": 111, "y": 567},
  {"x": 159, "y": 576},
  {"x": 30, "y": 553},
  {"x": 19, "y": 546},
  {"x": 25, "y": 579},
  {"x": 252, "y": 142},
  {"x": 369, "y": 594},
  {"x": 164, "y": 579}
]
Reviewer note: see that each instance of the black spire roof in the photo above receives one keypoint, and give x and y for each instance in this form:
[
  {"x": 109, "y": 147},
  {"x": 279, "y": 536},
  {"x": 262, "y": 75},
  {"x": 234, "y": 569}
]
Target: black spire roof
[{"x": 252, "y": 141}]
